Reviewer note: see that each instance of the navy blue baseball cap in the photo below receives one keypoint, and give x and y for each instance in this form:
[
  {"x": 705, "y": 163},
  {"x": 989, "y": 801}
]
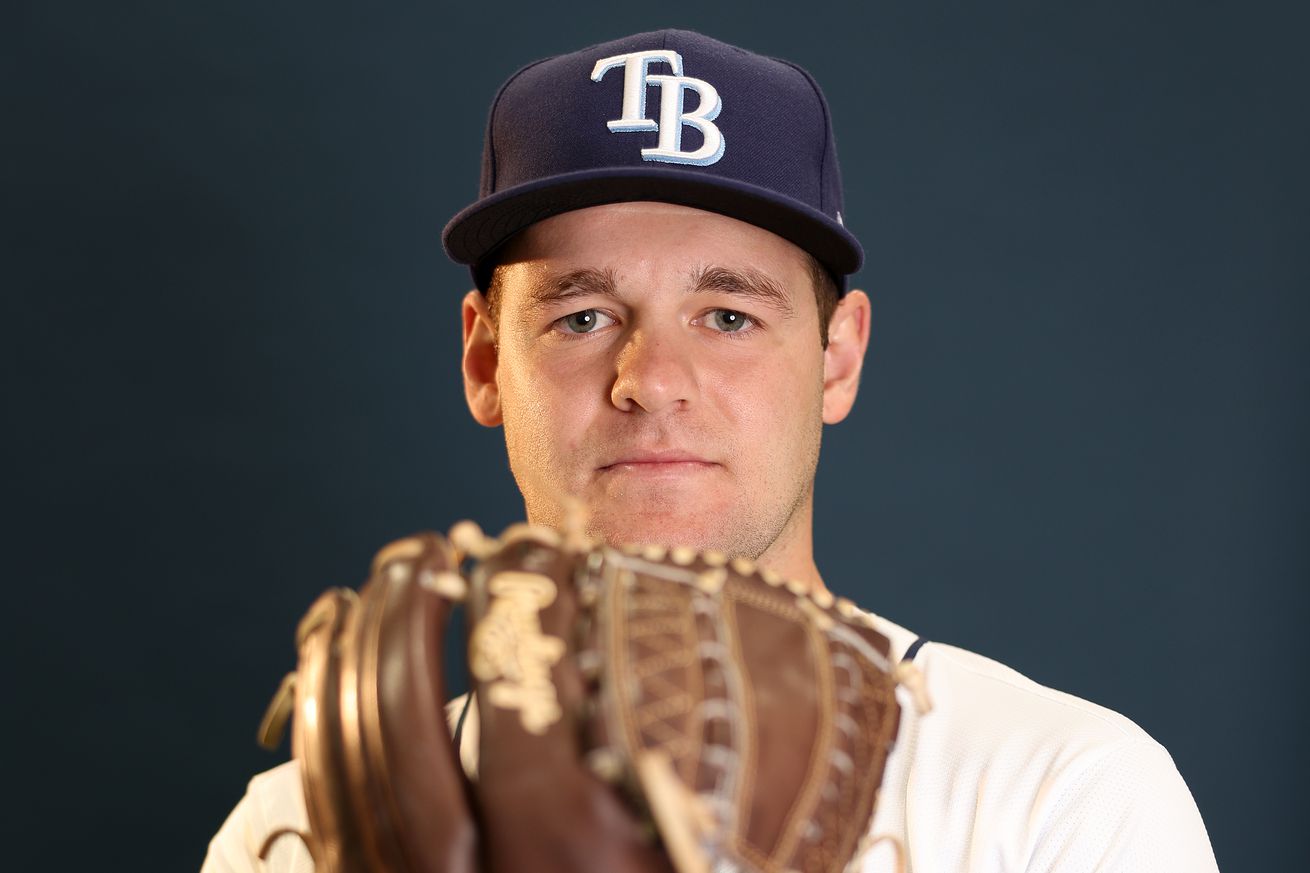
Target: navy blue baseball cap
[{"x": 670, "y": 115}]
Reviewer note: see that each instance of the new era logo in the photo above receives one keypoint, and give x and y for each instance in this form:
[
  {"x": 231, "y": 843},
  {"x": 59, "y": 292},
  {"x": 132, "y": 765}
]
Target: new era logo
[{"x": 672, "y": 117}]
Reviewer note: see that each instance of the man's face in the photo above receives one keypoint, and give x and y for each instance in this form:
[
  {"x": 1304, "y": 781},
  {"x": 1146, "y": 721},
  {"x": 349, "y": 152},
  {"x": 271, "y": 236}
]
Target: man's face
[{"x": 662, "y": 365}]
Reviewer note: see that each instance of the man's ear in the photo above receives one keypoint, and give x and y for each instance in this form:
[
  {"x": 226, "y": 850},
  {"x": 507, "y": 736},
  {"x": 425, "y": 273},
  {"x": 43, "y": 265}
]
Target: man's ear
[
  {"x": 848, "y": 337},
  {"x": 481, "y": 358}
]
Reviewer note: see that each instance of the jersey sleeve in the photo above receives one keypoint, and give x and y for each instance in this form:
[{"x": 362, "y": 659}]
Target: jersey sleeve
[
  {"x": 1128, "y": 811},
  {"x": 273, "y": 800}
]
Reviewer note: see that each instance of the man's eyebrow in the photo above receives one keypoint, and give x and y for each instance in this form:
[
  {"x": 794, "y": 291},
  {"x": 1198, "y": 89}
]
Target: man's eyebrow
[
  {"x": 575, "y": 283},
  {"x": 745, "y": 282}
]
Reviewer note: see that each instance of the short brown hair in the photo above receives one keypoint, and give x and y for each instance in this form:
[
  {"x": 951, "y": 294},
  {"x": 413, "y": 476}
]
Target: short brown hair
[{"x": 825, "y": 292}]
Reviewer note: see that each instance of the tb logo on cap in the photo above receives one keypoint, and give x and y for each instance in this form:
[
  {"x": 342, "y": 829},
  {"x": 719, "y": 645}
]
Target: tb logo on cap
[{"x": 636, "y": 77}]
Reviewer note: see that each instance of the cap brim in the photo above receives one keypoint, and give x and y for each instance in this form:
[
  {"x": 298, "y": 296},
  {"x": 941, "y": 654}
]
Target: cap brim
[{"x": 482, "y": 227}]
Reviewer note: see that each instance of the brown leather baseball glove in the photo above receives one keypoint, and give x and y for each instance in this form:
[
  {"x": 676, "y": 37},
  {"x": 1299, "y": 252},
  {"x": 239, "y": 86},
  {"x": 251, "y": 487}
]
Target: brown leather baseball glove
[{"x": 639, "y": 710}]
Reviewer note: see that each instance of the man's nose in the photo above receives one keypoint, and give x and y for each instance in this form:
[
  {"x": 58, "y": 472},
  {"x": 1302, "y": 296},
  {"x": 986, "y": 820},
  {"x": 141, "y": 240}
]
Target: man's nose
[{"x": 654, "y": 372}]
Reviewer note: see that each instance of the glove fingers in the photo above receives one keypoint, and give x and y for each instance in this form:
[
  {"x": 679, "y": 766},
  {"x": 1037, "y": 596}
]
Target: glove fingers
[
  {"x": 384, "y": 791},
  {"x": 409, "y": 768},
  {"x": 539, "y": 806},
  {"x": 334, "y": 836}
]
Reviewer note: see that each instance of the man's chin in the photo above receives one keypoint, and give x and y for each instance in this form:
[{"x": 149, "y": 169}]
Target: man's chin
[{"x": 664, "y": 527}]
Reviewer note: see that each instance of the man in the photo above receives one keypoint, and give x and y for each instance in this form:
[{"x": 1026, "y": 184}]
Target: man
[{"x": 662, "y": 328}]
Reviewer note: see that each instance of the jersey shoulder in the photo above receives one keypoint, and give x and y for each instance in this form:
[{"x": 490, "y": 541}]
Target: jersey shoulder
[
  {"x": 974, "y": 685},
  {"x": 274, "y": 801},
  {"x": 1007, "y": 774},
  {"x": 989, "y": 691}
]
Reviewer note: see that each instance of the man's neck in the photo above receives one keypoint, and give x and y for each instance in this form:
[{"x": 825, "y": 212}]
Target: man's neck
[{"x": 792, "y": 554}]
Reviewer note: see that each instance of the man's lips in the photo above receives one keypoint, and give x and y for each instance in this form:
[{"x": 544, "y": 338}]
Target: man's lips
[{"x": 657, "y": 462}]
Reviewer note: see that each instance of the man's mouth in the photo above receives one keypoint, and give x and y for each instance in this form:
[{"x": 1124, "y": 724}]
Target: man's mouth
[{"x": 657, "y": 462}]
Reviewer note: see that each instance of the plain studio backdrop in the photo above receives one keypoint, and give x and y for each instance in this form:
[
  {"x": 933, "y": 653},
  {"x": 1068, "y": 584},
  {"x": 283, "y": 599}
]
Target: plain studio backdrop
[{"x": 233, "y": 365}]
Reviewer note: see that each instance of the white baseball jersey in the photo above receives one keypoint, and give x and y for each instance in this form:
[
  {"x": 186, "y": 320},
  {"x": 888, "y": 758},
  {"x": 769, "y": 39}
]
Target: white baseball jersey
[{"x": 1003, "y": 775}]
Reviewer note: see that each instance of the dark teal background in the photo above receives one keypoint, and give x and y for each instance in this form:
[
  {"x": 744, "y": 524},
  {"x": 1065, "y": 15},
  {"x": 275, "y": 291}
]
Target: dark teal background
[{"x": 232, "y": 365}]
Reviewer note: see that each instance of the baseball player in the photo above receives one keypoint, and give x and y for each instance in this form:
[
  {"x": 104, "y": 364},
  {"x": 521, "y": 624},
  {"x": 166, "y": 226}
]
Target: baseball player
[{"x": 662, "y": 327}]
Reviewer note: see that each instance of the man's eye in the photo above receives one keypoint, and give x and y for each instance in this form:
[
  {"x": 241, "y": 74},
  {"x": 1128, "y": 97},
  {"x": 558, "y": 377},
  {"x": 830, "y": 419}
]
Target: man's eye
[
  {"x": 729, "y": 321},
  {"x": 585, "y": 321}
]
